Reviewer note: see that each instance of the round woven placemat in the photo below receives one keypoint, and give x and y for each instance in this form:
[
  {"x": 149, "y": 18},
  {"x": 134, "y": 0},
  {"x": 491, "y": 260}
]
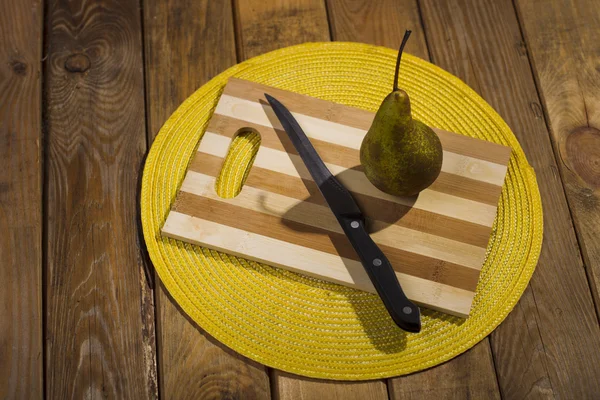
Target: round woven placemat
[{"x": 304, "y": 325}]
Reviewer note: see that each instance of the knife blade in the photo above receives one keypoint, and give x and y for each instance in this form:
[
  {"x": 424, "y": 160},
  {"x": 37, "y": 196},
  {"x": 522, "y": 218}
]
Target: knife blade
[{"x": 402, "y": 311}]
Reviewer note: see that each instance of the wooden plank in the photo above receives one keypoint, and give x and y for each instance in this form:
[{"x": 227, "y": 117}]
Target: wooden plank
[
  {"x": 187, "y": 42},
  {"x": 564, "y": 48},
  {"x": 260, "y": 27},
  {"x": 21, "y": 359},
  {"x": 559, "y": 344},
  {"x": 293, "y": 387},
  {"x": 468, "y": 376},
  {"x": 95, "y": 333},
  {"x": 349, "y": 23},
  {"x": 381, "y": 23}
]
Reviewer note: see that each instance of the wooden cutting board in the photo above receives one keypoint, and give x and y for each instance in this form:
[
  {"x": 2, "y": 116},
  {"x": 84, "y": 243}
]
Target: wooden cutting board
[{"x": 436, "y": 241}]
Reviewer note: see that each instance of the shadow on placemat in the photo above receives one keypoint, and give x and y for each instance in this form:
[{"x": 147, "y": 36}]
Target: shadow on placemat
[{"x": 372, "y": 327}]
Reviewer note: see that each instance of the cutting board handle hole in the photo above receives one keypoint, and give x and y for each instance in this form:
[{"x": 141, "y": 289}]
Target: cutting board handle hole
[{"x": 238, "y": 162}]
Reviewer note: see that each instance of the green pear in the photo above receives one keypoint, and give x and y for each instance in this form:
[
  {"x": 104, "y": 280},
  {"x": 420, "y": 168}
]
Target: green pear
[{"x": 399, "y": 154}]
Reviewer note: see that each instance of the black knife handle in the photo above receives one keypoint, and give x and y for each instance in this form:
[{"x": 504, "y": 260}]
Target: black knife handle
[{"x": 404, "y": 312}]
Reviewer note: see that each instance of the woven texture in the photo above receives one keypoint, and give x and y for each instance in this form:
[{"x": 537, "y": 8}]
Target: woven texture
[{"x": 304, "y": 325}]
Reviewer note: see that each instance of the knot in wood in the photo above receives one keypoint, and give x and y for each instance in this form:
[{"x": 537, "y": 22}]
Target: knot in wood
[
  {"x": 77, "y": 63},
  {"x": 18, "y": 67},
  {"x": 583, "y": 152}
]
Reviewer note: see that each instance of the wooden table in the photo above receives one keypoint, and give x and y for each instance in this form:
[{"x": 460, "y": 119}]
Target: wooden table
[{"x": 85, "y": 87}]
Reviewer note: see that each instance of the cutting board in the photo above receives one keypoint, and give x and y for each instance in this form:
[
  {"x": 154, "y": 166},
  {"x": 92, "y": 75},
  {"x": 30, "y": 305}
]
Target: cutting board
[{"x": 436, "y": 241}]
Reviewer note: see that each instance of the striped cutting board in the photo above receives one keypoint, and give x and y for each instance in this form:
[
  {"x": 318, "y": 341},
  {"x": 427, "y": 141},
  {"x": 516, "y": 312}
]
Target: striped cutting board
[{"x": 436, "y": 241}]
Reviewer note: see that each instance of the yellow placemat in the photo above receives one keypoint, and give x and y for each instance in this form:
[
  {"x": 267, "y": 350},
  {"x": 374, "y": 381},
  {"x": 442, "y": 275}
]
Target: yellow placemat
[{"x": 307, "y": 326}]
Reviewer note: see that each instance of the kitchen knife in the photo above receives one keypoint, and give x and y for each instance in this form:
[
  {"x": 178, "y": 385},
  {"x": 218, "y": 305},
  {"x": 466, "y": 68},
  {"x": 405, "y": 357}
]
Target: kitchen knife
[{"x": 403, "y": 312}]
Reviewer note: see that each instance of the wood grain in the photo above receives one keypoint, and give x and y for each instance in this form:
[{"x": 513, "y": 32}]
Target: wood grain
[
  {"x": 21, "y": 358},
  {"x": 260, "y": 27},
  {"x": 293, "y": 387},
  {"x": 474, "y": 370},
  {"x": 95, "y": 344},
  {"x": 381, "y": 23},
  {"x": 564, "y": 47},
  {"x": 455, "y": 380},
  {"x": 187, "y": 42},
  {"x": 481, "y": 42}
]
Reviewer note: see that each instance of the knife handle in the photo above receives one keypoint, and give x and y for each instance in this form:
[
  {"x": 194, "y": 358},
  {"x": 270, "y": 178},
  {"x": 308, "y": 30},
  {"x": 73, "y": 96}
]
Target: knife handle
[{"x": 404, "y": 312}]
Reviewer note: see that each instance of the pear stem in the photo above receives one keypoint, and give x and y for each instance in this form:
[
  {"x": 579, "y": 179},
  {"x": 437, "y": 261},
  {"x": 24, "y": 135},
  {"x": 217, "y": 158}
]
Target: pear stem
[{"x": 406, "y": 36}]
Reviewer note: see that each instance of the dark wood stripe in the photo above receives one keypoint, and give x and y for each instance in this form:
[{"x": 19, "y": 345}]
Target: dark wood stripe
[
  {"x": 362, "y": 119},
  {"x": 322, "y": 240},
  {"x": 456, "y": 185},
  {"x": 374, "y": 208}
]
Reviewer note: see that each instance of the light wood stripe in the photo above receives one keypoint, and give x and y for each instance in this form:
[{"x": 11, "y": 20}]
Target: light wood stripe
[
  {"x": 361, "y": 119},
  {"x": 350, "y": 137},
  {"x": 322, "y": 240},
  {"x": 356, "y": 181},
  {"x": 277, "y": 139},
  {"x": 320, "y": 216},
  {"x": 307, "y": 261},
  {"x": 307, "y": 190}
]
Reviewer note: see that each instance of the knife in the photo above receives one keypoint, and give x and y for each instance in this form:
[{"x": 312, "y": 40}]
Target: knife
[{"x": 403, "y": 312}]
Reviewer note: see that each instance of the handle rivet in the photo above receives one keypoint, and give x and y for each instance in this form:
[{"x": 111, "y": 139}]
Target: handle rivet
[
  {"x": 377, "y": 262},
  {"x": 407, "y": 310},
  {"x": 354, "y": 224}
]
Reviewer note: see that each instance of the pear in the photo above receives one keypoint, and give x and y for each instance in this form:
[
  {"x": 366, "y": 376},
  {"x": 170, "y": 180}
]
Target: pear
[{"x": 399, "y": 154}]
